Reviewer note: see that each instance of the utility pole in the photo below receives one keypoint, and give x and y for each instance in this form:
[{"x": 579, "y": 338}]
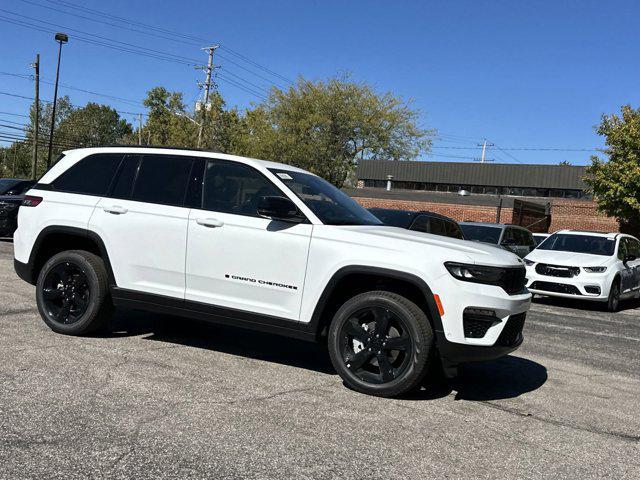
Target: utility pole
[
  {"x": 36, "y": 122},
  {"x": 207, "y": 87},
  {"x": 15, "y": 157},
  {"x": 139, "y": 129},
  {"x": 484, "y": 146}
]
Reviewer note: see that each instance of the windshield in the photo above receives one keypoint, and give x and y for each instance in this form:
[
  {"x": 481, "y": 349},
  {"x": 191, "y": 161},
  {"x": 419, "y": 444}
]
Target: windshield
[
  {"x": 579, "y": 244},
  {"x": 481, "y": 233},
  {"x": 7, "y": 184},
  {"x": 328, "y": 203}
]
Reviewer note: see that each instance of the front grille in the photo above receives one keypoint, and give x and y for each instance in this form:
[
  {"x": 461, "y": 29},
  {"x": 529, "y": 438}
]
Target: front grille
[
  {"x": 557, "y": 270},
  {"x": 514, "y": 280},
  {"x": 512, "y": 332},
  {"x": 555, "y": 287}
]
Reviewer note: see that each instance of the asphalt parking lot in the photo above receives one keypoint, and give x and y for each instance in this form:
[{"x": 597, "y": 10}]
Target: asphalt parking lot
[{"x": 162, "y": 397}]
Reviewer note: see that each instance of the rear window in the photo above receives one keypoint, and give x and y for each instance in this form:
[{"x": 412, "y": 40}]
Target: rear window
[
  {"x": 90, "y": 176},
  {"x": 453, "y": 230}
]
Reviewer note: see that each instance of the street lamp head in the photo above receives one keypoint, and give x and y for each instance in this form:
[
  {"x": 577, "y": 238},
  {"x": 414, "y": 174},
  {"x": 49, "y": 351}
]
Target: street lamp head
[{"x": 62, "y": 37}]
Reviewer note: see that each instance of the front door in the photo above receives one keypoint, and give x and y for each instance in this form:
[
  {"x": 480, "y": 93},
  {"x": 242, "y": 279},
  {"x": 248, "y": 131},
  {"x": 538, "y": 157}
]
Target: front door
[
  {"x": 237, "y": 259},
  {"x": 630, "y": 273}
]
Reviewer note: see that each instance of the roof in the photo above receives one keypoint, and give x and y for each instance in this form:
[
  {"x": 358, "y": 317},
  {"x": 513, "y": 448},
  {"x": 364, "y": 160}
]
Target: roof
[
  {"x": 183, "y": 151},
  {"x": 491, "y": 224},
  {"x": 589, "y": 233},
  {"x": 493, "y": 174}
]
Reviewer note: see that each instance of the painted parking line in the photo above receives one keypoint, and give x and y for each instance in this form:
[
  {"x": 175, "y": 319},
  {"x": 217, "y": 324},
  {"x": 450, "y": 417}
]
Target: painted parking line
[{"x": 582, "y": 330}]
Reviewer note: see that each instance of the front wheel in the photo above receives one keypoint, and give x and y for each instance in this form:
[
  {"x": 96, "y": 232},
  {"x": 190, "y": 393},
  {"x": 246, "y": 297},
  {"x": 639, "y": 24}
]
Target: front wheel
[
  {"x": 613, "y": 303},
  {"x": 380, "y": 344},
  {"x": 73, "y": 293}
]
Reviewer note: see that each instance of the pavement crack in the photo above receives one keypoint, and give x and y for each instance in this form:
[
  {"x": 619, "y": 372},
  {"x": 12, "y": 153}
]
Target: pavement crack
[{"x": 619, "y": 435}]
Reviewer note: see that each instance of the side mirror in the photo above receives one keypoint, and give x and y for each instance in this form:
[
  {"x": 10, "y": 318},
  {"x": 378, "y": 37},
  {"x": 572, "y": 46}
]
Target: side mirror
[
  {"x": 280, "y": 208},
  {"x": 629, "y": 258},
  {"x": 508, "y": 241}
]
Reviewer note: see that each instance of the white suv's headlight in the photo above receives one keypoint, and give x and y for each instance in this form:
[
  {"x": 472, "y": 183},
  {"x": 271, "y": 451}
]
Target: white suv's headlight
[
  {"x": 595, "y": 269},
  {"x": 528, "y": 263}
]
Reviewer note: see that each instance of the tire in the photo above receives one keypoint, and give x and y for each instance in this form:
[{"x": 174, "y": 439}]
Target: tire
[
  {"x": 613, "y": 302},
  {"x": 366, "y": 360},
  {"x": 72, "y": 293}
]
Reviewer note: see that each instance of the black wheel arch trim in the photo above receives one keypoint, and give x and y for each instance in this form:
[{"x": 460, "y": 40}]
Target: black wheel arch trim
[
  {"x": 315, "y": 324},
  {"x": 26, "y": 271}
]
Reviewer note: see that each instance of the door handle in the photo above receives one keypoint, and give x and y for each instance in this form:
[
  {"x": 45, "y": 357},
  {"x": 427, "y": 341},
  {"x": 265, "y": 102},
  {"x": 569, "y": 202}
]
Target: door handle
[
  {"x": 209, "y": 222},
  {"x": 115, "y": 209}
]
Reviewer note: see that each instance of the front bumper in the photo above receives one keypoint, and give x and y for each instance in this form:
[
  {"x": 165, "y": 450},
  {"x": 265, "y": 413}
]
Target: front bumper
[
  {"x": 501, "y": 338},
  {"x": 584, "y": 286}
]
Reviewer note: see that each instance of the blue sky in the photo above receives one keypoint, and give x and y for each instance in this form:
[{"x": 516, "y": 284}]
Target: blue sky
[{"x": 534, "y": 74}]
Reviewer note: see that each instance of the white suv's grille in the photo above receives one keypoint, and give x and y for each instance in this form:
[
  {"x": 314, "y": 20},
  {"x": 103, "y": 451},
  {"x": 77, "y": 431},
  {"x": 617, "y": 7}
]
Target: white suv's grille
[{"x": 557, "y": 270}]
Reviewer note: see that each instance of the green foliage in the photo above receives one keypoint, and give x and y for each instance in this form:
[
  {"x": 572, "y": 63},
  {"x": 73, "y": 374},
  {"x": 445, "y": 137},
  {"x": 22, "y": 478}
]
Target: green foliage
[
  {"x": 326, "y": 127},
  {"x": 616, "y": 182}
]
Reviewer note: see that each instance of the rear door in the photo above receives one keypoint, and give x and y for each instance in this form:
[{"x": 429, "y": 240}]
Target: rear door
[
  {"x": 143, "y": 222},
  {"x": 630, "y": 271},
  {"x": 237, "y": 259}
]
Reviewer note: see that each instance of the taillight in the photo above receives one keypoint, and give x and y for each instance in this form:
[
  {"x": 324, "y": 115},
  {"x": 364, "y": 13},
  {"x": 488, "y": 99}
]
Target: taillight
[{"x": 30, "y": 201}]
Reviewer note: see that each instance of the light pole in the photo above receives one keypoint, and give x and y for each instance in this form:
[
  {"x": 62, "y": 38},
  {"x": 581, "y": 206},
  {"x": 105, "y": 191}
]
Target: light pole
[{"x": 60, "y": 38}]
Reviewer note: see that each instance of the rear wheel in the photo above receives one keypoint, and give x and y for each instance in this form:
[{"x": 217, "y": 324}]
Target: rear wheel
[
  {"x": 380, "y": 344},
  {"x": 72, "y": 293},
  {"x": 613, "y": 303}
]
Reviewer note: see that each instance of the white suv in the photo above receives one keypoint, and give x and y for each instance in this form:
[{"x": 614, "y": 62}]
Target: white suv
[
  {"x": 265, "y": 246},
  {"x": 596, "y": 266}
]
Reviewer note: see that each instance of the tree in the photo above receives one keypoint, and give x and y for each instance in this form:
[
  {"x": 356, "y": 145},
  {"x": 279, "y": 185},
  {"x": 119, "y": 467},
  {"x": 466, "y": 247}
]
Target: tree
[
  {"x": 565, "y": 162},
  {"x": 326, "y": 127},
  {"x": 615, "y": 183},
  {"x": 93, "y": 125},
  {"x": 168, "y": 122}
]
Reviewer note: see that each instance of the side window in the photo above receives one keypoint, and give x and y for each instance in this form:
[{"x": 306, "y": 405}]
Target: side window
[
  {"x": 162, "y": 179},
  {"x": 509, "y": 237},
  {"x": 127, "y": 174},
  {"x": 420, "y": 224},
  {"x": 453, "y": 230},
  {"x": 438, "y": 227},
  {"x": 90, "y": 176},
  {"x": 623, "y": 248},
  {"x": 529, "y": 239},
  {"x": 635, "y": 248},
  {"x": 231, "y": 187},
  {"x": 520, "y": 236}
]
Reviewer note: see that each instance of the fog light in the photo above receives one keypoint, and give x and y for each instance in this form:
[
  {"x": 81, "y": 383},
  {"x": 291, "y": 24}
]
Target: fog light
[
  {"x": 593, "y": 289},
  {"x": 480, "y": 312}
]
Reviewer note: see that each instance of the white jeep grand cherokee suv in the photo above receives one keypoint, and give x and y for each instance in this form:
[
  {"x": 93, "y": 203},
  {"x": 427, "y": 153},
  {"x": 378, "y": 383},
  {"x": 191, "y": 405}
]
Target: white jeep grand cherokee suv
[
  {"x": 265, "y": 246},
  {"x": 603, "y": 267}
]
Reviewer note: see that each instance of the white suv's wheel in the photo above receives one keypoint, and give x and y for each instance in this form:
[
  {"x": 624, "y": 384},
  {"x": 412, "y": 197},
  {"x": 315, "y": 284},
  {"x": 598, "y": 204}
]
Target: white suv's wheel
[
  {"x": 380, "y": 343},
  {"x": 72, "y": 293},
  {"x": 613, "y": 303}
]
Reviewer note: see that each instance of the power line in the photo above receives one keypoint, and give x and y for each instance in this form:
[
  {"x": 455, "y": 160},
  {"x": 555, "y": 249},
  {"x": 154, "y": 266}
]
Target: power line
[
  {"x": 165, "y": 35},
  {"x": 105, "y": 42}
]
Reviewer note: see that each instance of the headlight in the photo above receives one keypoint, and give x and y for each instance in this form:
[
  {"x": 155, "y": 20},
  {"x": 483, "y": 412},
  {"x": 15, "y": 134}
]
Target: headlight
[
  {"x": 528, "y": 263},
  {"x": 475, "y": 273},
  {"x": 595, "y": 269}
]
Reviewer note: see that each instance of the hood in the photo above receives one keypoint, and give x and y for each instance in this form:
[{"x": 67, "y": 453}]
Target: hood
[
  {"x": 568, "y": 259},
  {"x": 478, "y": 253}
]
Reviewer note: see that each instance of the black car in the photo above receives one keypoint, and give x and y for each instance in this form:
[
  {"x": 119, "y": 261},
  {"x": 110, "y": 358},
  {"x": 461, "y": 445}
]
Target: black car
[
  {"x": 421, "y": 221},
  {"x": 12, "y": 192}
]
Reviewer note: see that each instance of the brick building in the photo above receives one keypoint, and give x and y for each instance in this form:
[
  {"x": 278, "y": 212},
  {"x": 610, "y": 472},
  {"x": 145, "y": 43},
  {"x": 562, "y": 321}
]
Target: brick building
[{"x": 539, "y": 197}]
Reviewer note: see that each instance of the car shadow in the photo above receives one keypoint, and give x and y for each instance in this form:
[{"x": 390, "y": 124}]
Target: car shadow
[
  {"x": 506, "y": 377},
  {"x": 221, "y": 338},
  {"x": 627, "y": 304}
]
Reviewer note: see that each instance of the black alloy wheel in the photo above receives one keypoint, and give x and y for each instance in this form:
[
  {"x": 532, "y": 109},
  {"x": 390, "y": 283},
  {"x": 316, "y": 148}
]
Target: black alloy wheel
[
  {"x": 72, "y": 293},
  {"x": 66, "y": 293},
  {"x": 375, "y": 344},
  {"x": 381, "y": 343}
]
